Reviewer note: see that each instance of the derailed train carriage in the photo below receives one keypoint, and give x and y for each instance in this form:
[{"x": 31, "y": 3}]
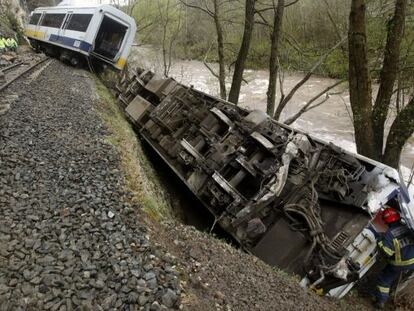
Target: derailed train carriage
[
  {"x": 72, "y": 33},
  {"x": 293, "y": 200}
]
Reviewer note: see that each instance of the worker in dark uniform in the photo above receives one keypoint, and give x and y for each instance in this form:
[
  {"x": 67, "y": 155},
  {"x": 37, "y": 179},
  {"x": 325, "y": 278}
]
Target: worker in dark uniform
[{"x": 397, "y": 245}]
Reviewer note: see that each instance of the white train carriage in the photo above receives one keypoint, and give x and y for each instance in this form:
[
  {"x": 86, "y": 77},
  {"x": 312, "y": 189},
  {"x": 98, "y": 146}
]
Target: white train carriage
[{"x": 101, "y": 31}]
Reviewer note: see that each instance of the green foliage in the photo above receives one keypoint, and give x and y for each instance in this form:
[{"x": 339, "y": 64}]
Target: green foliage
[
  {"x": 310, "y": 29},
  {"x": 336, "y": 65},
  {"x": 259, "y": 54}
]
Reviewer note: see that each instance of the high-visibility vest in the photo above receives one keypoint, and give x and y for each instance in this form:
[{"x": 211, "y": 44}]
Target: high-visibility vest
[
  {"x": 14, "y": 42},
  {"x": 8, "y": 43},
  {"x": 2, "y": 45}
]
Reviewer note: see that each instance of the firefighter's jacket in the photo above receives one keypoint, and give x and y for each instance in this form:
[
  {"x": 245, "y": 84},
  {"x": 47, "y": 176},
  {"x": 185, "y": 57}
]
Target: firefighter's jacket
[{"x": 398, "y": 245}]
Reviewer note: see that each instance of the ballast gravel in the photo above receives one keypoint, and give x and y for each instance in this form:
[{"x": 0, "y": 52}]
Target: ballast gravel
[{"x": 69, "y": 239}]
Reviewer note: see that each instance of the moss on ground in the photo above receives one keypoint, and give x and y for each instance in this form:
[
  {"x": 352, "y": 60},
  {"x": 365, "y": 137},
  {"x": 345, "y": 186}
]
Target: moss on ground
[{"x": 140, "y": 177}]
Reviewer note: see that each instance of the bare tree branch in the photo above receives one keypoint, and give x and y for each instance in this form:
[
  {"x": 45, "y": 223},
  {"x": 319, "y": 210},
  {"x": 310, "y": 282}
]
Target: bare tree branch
[
  {"x": 411, "y": 177},
  {"x": 281, "y": 77},
  {"x": 145, "y": 27},
  {"x": 292, "y": 3},
  {"x": 264, "y": 20},
  {"x": 207, "y": 11},
  {"x": 351, "y": 117},
  {"x": 207, "y": 65},
  {"x": 308, "y": 106},
  {"x": 283, "y": 103}
]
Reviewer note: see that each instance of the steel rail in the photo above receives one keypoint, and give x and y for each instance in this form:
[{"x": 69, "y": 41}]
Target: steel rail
[
  {"x": 11, "y": 67},
  {"x": 4, "y": 86}
]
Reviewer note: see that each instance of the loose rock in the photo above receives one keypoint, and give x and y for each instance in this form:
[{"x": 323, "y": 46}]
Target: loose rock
[{"x": 61, "y": 186}]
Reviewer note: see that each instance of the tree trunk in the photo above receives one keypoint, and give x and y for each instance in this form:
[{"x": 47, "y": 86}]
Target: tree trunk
[
  {"x": 401, "y": 130},
  {"x": 360, "y": 81},
  {"x": 389, "y": 72},
  {"x": 274, "y": 52},
  {"x": 243, "y": 52},
  {"x": 220, "y": 50}
]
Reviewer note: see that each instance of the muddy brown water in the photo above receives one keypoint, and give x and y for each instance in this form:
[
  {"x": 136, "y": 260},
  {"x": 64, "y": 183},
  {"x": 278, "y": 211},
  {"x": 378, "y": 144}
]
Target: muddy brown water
[{"x": 331, "y": 122}]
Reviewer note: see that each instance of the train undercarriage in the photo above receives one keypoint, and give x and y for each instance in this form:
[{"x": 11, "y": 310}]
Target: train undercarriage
[{"x": 294, "y": 201}]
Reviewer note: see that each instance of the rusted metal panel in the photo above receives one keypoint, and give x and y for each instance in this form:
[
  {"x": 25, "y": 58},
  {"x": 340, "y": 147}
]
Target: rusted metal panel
[{"x": 137, "y": 108}]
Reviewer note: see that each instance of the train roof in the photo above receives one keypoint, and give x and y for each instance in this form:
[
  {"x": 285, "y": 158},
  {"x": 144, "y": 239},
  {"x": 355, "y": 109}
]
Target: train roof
[{"x": 105, "y": 7}]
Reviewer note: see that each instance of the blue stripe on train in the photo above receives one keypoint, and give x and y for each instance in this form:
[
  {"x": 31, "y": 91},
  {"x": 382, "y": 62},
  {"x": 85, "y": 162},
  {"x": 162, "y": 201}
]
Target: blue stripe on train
[{"x": 84, "y": 46}]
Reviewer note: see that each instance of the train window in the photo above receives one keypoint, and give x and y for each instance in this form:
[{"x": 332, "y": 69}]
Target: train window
[
  {"x": 79, "y": 22},
  {"x": 53, "y": 20},
  {"x": 34, "y": 19},
  {"x": 109, "y": 39}
]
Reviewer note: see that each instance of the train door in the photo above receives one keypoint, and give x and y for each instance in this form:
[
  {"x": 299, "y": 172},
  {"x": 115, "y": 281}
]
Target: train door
[
  {"x": 65, "y": 23},
  {"x": 110, "y": 38},
  {"x": 37, "y": 29}
]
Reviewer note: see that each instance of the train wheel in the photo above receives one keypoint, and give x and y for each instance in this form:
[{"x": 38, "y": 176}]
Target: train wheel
[{"x": 74, "y": 61}]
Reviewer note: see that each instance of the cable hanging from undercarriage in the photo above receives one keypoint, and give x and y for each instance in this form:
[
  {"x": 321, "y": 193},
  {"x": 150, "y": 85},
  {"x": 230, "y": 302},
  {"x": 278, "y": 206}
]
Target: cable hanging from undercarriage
[{"x": 308, "y": 210}]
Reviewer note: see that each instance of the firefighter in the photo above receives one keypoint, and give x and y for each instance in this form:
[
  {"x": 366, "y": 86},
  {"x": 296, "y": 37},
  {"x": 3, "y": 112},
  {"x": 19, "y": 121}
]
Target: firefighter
[{"x": 397, "y": 245}]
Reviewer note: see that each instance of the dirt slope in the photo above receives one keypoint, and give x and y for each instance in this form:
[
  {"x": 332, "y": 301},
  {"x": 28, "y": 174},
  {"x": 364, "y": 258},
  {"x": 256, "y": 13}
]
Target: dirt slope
[{"x": 217, "y": 276}]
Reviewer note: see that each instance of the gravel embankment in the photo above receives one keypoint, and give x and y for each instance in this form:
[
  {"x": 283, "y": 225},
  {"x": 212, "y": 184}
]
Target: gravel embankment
[{"x": 69, "y": 239}]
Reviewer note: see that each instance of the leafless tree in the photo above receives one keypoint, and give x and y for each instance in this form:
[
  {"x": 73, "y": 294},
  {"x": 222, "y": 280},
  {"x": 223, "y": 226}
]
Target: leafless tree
[
  {"x": 216, "y": 14},
  {"x": 369, "y": 119},
  {"x": 274, "y": 68},
  {"x": 243, "y": 52},
  {"x": 169, "y": 32}
]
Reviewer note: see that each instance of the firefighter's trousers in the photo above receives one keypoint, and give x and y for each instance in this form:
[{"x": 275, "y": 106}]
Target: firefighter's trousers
[{"x": 386, "y": 279}]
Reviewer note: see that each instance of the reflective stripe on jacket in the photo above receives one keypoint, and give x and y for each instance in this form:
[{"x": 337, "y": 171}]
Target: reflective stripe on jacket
[
  {"x": 398, "y": 244},
  {"x": 9, "y": 43}
]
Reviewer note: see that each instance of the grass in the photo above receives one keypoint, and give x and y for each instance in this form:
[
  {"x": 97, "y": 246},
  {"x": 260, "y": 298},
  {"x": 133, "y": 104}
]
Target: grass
[{"x": 140, "y": 177}]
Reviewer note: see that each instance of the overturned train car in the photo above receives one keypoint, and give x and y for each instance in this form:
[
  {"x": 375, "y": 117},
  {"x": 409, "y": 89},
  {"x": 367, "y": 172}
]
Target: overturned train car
[{"x": 292, "y": 200}]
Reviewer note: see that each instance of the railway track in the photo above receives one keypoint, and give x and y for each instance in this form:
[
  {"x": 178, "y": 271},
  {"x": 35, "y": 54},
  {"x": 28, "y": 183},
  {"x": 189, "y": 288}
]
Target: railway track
[{"x": 18, "y": 70}]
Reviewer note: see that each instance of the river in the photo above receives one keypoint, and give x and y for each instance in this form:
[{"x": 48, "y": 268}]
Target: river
[{"x": 331, "y": 122}]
